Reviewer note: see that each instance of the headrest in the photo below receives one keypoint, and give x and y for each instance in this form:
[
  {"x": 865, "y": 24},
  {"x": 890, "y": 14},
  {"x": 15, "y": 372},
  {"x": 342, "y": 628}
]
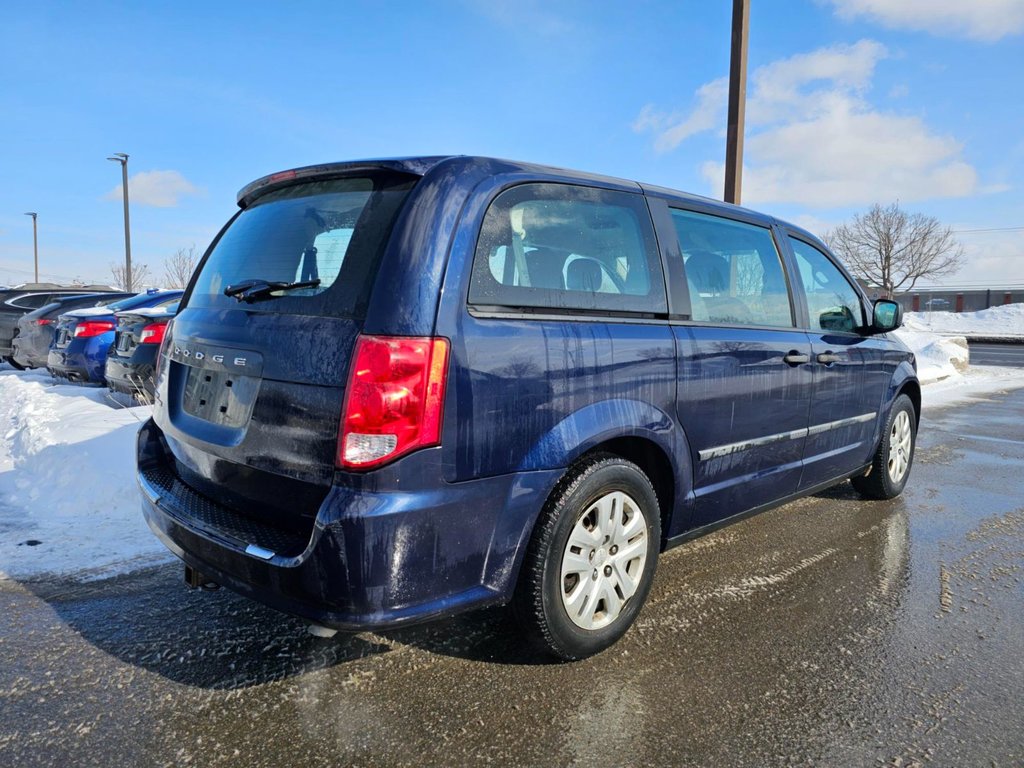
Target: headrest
[
  {"x": 583, "y": 275},
  {"x": 707, "y": 271}
]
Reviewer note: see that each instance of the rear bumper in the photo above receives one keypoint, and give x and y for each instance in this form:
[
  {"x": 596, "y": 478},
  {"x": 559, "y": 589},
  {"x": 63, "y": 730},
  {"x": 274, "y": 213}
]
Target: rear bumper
[
  {"x": 24, "y": 358},
  {"x": 77, "y": 362},
  {"x": 373, "y": 559},
  {"x": 65, "y": 366},
  {"x": 30, "y": 349},
  {"x": 133, "y": 374}
]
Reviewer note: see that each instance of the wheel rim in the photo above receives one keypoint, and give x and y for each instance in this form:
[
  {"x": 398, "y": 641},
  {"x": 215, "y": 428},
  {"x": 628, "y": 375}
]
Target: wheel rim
[
  {"x": 604, "y": 560},
  {"x": 900, "y": 440}
]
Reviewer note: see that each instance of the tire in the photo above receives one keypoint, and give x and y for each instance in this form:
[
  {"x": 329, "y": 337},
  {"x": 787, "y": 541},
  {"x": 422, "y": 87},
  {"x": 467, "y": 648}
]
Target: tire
[
  {"x": 585, "y": 577},
  {"x": 890, "y": 466}
]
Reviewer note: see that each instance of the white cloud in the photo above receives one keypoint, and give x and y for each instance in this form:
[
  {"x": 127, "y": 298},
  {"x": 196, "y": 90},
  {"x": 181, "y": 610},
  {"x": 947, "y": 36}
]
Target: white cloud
[
  {"x": 812, "y": 137},
  {"x": 992, "y": 257},
  {"x": 672, "y": 130},
  {"x": 160, "y": 189},
  {"x": 814, "y": 224},
  {"x": 527, "y": 17},
  {"x": 985, "y": 20}
]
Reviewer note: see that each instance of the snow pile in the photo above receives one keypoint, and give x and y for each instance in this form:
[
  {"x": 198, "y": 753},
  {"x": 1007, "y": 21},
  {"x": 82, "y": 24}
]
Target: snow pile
[
  {"x": 69, "y": 502},
  {"x": 1006, "y": 321},
  {"x": 938, "y": 357}
]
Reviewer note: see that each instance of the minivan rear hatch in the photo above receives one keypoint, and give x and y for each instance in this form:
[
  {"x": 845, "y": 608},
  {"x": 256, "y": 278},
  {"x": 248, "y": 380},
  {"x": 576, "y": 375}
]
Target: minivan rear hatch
[{"x": 255, "y": 363}]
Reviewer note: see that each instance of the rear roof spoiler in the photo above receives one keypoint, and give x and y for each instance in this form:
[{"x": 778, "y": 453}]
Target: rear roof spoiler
[{"x": 414, "y": 166}]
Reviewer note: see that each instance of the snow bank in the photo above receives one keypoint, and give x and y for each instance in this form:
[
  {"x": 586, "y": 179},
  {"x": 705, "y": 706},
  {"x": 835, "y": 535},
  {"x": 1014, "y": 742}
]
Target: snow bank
[
  {"x": 938, "y": 357},
  {"x": 67, "y": 481},
  {"x": 942, "y": 367},
  {"x": 1006, "y": 321}
]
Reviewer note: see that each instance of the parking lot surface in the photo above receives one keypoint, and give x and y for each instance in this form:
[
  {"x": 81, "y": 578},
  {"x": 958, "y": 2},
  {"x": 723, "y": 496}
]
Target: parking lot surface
[
  {"x": 831, "y": 631},
  {"x": 1011, "y": 355}
]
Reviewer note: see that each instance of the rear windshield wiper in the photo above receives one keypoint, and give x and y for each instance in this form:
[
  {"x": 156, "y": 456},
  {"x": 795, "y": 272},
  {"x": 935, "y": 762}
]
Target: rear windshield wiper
[{"x": 254, "y": 290}]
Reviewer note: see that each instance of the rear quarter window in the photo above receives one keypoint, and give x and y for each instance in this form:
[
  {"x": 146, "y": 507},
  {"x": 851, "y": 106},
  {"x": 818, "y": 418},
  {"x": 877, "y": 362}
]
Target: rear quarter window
[{"x": 563, "y": 247}]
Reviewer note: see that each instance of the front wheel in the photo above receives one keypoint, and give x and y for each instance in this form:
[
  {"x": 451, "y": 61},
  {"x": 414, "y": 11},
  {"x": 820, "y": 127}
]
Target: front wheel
[
  {"x": 591, "y": 560},
  {"x": 890, "y": 466}
]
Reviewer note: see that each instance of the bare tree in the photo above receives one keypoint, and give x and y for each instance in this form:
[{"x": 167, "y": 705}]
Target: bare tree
[
  {"x": 140, "y": 276},
  {"x": 893, "y": 249},
  {"x": 178, "y": 267}
]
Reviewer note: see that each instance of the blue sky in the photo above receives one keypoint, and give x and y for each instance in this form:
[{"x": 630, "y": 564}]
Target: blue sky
[{"x": 850, "y": 102}]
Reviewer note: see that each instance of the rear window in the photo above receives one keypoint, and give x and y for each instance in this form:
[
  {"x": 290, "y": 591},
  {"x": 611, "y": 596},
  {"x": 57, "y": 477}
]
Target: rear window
[
  {"x": 332, "y": 231},
  {"x": 733, "y": 271},
  {"x": 134, "y": 301},
  {"x": 32, "y": 301}
]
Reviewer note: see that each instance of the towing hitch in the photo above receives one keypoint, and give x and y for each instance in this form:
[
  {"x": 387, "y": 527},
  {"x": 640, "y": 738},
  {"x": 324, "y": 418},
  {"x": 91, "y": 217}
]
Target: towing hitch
[{"x": 195, "y": 580}]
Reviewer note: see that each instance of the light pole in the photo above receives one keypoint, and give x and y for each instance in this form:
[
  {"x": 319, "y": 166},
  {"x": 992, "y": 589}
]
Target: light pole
[
  {"x": 122, "y": 158},
  {"x": 737, "y": 101},
  {"x": 35, "y": 243}
]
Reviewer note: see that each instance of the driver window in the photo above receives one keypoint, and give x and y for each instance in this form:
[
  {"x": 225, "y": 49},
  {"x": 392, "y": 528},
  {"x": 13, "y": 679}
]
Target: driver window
[{"x": 833, "y": 304}]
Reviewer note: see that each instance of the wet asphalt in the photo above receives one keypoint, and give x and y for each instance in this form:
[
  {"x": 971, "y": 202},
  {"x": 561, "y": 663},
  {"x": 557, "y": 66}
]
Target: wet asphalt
[{"x": 831, "y": 631}]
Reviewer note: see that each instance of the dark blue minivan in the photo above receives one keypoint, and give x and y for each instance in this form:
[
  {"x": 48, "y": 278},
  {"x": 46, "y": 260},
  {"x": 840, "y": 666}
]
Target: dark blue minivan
[{"x": 399, "y": 389}]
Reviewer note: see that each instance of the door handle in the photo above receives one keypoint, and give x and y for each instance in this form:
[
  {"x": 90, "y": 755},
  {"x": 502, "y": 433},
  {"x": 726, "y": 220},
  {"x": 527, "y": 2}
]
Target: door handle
[
  {"x": 795, "y": 358},
  {"x": 827, "y": 358}
]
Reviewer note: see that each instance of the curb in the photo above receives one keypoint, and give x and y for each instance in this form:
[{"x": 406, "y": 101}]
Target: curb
[{"x": 995, "y": 339}]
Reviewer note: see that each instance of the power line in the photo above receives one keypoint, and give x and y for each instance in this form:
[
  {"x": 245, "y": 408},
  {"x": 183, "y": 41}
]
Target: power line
[{"x": 993, "y": 229}]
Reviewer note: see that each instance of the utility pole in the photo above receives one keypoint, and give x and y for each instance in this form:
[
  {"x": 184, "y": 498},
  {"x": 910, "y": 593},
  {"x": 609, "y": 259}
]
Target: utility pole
[
  {"x": 122, "y": 158},
  {"x": 35, "y": 243},
  {"x": 737, "y": 100}
]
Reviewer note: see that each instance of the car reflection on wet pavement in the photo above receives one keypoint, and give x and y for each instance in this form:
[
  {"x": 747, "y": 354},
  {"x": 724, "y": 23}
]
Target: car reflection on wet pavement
[{"x": 831, "y": 631}]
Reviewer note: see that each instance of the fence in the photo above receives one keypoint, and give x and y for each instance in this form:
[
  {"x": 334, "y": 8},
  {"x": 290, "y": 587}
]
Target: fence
[{"x": 958, "y": 301}]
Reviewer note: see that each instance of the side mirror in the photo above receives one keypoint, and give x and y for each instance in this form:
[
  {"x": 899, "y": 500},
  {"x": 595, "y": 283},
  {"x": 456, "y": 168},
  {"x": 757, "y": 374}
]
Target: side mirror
[{"x": 888, "y": 316}]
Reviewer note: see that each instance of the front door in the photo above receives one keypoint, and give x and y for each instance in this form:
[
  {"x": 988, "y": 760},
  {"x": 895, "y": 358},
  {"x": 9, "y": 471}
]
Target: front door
[{"x": 850, "y": 378}]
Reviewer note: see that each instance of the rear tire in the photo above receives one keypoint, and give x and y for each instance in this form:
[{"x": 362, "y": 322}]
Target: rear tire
[
  {"x": 890, "y": 466},
  {"x": 591, "y": 560}
]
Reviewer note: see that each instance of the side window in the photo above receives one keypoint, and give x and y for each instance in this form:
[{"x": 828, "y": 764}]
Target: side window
[
  {"x": 833, "y": 304},
  {"x": 564, "y": 247},
  {"x": 733, "y": 271}
]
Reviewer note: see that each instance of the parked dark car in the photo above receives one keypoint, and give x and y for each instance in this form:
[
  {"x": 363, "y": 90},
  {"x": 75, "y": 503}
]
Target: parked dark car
[
  {"x": 131, "y": 360},
  {"x": 83, "y": 337},
  {"x": 400, "y": 389},
  {"x": 35, "y": 331},
  {"x": 20, "y": 301}
]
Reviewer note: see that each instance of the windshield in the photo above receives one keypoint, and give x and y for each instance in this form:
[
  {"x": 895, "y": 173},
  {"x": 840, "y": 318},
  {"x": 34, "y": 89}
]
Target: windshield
[{"x": 327, "y": 235}]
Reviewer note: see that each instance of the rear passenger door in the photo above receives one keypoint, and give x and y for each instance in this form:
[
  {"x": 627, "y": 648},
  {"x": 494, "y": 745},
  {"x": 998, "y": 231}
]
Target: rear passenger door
[
  {"x": 850, "y": 372},
  {"x": 566, "y": 329},
  {"x": 744, "y": 383}
]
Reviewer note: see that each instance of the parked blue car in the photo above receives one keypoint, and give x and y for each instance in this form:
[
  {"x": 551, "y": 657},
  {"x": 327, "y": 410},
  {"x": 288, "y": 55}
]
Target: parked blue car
[
  {"x": 399, "y": 389},
  {"x": 82, "y": 337}
]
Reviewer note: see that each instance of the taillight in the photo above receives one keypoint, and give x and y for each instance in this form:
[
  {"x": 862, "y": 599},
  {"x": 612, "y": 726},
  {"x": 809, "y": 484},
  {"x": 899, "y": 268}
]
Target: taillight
[
  {"x": 165, "y": 338},
  {"x": 153, "y": 333},
  {"x": 92, "y": 328},
  {"x": 394, "y": 401},
  {"x": 44, "y": 321}
]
